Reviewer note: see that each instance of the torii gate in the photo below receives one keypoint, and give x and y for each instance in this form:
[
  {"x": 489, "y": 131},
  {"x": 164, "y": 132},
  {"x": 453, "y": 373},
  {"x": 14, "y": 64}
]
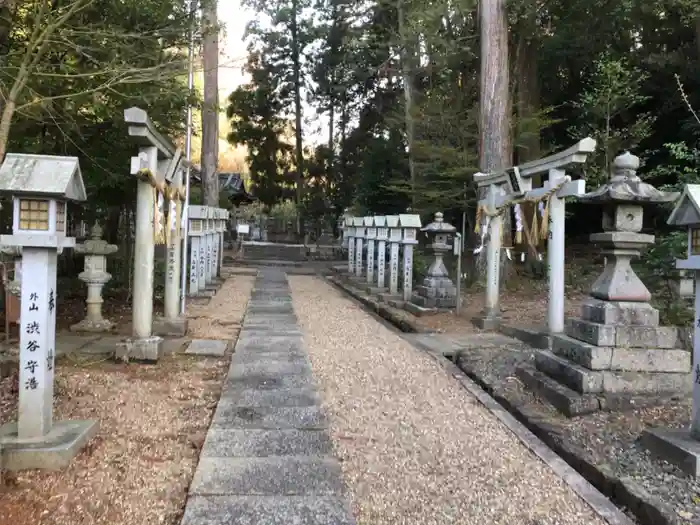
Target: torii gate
[{"x": 515, "y": 184}]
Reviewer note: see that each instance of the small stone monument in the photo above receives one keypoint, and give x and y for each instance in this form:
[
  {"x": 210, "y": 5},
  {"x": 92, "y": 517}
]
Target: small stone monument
[
  {"x": 371, "y": 236},
  {"x": 616, "y": 354},
  {"x": 437, "y": 291},
  {"x": 409, "y": 224},
  {"x": 40, "y": 185},
  {"x": 682, "y": 446},
  {"x": 95, "y": 276}
]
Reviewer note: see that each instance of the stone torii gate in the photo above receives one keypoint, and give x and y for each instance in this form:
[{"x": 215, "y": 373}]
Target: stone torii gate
[{"x": 515, "y": 185}]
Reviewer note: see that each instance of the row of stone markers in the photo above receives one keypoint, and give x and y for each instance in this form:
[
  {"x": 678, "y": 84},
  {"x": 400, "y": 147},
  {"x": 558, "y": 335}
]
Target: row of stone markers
[
  {"x": 371, "y": 240},
  {"x": 206, "y": 232},
  {"x": 367, "y": 237}
]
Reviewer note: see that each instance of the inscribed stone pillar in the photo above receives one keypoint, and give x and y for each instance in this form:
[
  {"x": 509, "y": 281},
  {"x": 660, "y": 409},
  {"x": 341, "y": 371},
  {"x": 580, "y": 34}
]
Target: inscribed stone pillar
[
  {"x": 359, "y": 239},
  {"x": 394, "y": 242},
  {"x": 382, "y": 236},
  {"x": 40, "y": 187},
  {"x": 371, "y": 230}
]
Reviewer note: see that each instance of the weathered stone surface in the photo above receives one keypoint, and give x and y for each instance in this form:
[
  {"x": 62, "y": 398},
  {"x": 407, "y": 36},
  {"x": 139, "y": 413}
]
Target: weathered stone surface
[
  {"x": 267, "y": 510},
  {"x": 224, "y": 442},
  {"x": 627, "y": 313},
  {"x": 269, "y": 368},
  {"x": 675, "y": 446},
  {"x": 229, "y": 415},
  {"x": 54, "y": 451},
  {"x": 148, "y": 350},
  {"x": 575, "y": 377},
  {"x": 624, "y": 336},
  {"x": 176, "y": 327},
  {"x": 207, "y": 347},
  {"x": 568, "y": 402},
  {"x": 286, "y": 475},
  {"x": 269, "y": 382},
  {"x": 279, "y": 397},
  {"x": 621, "y": 359},
  {"x": 251, "y": 355}
]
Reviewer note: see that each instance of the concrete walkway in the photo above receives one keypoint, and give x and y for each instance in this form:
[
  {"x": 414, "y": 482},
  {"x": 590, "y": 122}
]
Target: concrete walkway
[{"x": 268, "y": 458}]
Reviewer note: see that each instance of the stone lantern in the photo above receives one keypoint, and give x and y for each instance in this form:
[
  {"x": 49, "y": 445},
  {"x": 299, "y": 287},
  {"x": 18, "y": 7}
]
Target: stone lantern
[
  {"x": 95, "y": 276},
  {"x": 616, "y": 353},
  {"x": 40, "y": 186},
  {"x": 437, "y": 290}
]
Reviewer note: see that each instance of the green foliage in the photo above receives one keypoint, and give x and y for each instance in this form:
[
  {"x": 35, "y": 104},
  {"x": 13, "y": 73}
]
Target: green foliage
[{"x": 608, "y": 111}]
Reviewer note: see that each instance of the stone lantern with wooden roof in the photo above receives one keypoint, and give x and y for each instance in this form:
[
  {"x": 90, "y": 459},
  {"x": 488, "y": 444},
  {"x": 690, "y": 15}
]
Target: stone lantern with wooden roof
[{"x": 40, "y": 186}]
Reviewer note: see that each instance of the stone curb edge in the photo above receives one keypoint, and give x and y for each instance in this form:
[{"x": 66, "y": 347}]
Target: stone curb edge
[
  {"x": 583, "y": 480},
  {"x": 648, "y": 509}
]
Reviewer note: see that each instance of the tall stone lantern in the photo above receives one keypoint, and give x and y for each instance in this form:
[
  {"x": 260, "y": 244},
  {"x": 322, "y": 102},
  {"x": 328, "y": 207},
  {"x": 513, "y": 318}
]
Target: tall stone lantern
[
  {"x": 40, "y": 186},
  {"x": 437, "y": 290},
  {"x": 622, "y": 199},
  {"x": 95, "y": 276}
]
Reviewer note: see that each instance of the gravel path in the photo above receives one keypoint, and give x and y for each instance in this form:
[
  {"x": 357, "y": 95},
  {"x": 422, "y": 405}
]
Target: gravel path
[{"x": 415, "y": 447}]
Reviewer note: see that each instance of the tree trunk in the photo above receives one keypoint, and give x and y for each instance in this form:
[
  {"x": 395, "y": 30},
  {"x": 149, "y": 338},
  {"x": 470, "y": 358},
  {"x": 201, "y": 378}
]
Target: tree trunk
[
  {"x": 299, "y": 147},
  {"x": 210, "y": 109},
  {"x": 495, "y": 112},
  {"x": 8, "y": 111},
  {"x": 409, "y": 96}
]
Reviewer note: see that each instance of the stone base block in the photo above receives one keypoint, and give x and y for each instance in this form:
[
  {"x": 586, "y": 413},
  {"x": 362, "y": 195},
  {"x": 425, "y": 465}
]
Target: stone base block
[
  {"x": 86, "y": 325},
  {"x": 147, "y": 350},
  {"x": 533, "y": 336},
  {"x": 618, "y": 312},
  {"x": 374, "y": 290},
  {"x": 202, "y": 294},
  {"x": 54, "y": 451},
  {"x": 386, "y": 297},
  {"x": 585, "y": 381},
  {"x": 624, "y": 336},
  {"x": 444, "y": 303},
  {"x": 170, "y": 327},
  {"x": 675, "y": 446},
  {"x": 418, "y": 310},
  {"x": 487, "y": 321},
  {"x": 621, "y": 359}
]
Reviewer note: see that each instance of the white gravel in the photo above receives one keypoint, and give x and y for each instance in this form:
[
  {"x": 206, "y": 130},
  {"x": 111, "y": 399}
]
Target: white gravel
[{"x": 416, "y": 448}]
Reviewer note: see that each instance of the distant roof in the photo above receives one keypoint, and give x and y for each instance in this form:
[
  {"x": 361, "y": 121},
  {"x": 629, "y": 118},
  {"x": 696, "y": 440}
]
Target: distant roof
[
  {"x": 42, "y": 174},
  {"x": 234, "y": 185}
]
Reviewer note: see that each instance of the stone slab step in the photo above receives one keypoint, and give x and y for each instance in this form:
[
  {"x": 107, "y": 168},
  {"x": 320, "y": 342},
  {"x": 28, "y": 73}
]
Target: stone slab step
[
  {"x": 225, "y": 442},
  {"x": 279, "y": 475},
  {"x": 264, "y": 381},
  {"x": 576, "y": 377},
  {"x": 280, "y": 397},
  {"x": 268, "y": 367},
  {"x": 267, "y": 510},
  {"x": 230, "y": 415},
  {"x": 565, "y": 400}
]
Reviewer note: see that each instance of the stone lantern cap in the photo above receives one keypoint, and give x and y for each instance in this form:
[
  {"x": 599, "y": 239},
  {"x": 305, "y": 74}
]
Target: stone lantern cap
[
  {"x": 626, "y": 187},
  {"x": 439, "y": 225},
  {"x": 45, "y": 175}
]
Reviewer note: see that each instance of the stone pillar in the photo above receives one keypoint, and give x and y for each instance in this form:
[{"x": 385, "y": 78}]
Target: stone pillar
[
  {"x": 143, "y": 345},
  {"x": 491, "y": 315},
  {"x": 556, "y": 255},
  {"x": 350, "y": 235},
  {"x": 359, "y": 239},
  {"x": 194, "y": 264},
  {"x": 95, "y": 276},
  {"x": 208, "y": 254},
  {"x": 173, "y": 322},
  {"x": 409, "y": 225},
  {"x": 202, "y": 259},
  {"x": 382, "y": 236},
  {"x": 371, "y": 240},
  {"x": 394, "y": 241}
]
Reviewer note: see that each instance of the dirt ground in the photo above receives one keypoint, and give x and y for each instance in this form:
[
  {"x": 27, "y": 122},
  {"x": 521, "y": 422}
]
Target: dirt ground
[
  {"x": 525, "y": 306},
  {"x": 153, "y": 421}
]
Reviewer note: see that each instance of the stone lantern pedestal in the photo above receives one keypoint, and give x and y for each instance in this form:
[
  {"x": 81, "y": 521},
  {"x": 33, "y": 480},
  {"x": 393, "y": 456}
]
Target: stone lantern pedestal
[
  {"x": 437, "y": 290},
  {"x": 616, "y": 354},
  {"x": 95, "y": 276}
]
